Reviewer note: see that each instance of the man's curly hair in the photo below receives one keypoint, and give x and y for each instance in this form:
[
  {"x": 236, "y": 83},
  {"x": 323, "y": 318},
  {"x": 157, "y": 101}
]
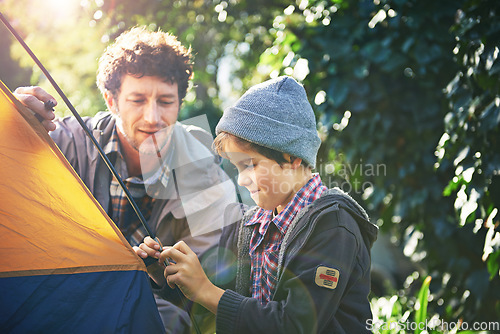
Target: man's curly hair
[{"x": 139, "y": 52}]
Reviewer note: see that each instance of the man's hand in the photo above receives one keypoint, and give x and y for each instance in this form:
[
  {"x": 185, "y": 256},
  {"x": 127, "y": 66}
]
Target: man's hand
[
  {"x": 148, "y": 248},
  {"x": 35, "y": 99}
]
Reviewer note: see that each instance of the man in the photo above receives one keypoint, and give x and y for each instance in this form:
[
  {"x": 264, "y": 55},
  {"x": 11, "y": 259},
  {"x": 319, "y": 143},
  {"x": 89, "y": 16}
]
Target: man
[{"x": 168, "y": 167}]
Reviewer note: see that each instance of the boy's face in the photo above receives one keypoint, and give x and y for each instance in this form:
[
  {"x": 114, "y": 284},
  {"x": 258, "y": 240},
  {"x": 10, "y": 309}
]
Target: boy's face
[
  {"x": 270, "y": 185},
  {"x": 143, "y": 107}
]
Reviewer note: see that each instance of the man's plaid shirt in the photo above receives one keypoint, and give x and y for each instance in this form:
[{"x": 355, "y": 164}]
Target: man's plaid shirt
[
  {"x": 121, "y": 212},
  {"x": 266, "y": 238}
]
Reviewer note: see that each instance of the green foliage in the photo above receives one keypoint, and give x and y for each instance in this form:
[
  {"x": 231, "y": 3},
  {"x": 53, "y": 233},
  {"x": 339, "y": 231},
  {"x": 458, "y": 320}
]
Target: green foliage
[
  {"x": 422, "y": 301},
  {"x": 391, "y": 91},
  {"x": 471, "y": 141},
  {"x": 403, "y": 313},
  {"x": 66, "y": 45},
  {"x": 10, "y": 71}
]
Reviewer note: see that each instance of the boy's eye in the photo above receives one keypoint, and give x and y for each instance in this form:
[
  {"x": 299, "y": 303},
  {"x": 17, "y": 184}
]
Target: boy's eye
[{"x": 246, "y": 165}]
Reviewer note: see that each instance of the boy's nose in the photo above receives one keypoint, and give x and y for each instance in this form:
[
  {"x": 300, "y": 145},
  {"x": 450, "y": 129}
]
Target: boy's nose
[{"x": 244, "y": 179}]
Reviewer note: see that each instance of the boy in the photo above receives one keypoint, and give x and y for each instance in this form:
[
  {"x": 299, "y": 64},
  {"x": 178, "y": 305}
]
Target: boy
[{"x": 300, "y": 261}]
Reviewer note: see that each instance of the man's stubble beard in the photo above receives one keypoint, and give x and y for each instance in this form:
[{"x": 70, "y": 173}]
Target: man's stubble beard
[{"x": 150, "y": 145}]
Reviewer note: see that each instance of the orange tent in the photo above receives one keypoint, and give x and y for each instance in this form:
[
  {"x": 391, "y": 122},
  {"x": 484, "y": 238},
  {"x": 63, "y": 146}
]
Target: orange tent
[{"x": 64, "y": 266}]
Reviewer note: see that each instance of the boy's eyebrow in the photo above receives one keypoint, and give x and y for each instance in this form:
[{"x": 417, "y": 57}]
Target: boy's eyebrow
[
  {"x": 245, "y": 160},
  {"x": 236, "y": 160}
]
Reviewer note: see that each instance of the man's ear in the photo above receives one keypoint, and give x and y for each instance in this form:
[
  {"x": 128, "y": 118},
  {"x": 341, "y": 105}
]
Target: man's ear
[{"x": 110, "y": 102}]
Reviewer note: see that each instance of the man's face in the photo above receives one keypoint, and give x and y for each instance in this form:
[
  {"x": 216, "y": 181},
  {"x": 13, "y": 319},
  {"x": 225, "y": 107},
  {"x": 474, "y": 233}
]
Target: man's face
[{"x": 145, "y": 106}]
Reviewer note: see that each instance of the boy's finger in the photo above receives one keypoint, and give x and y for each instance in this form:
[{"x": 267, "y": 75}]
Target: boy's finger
[
  {"x": 170, "y": 284},
  {"x": 183, "y": 248},
  {"x": 171, "y": 269},
  {"x": 170, "y": 276},
  {"x": 171, "y": 253},
  {"x": 163, "y": 255}
]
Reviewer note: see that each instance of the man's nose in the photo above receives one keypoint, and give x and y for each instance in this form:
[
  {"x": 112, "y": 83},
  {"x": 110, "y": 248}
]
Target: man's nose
[{"x": 152, "y": 113}]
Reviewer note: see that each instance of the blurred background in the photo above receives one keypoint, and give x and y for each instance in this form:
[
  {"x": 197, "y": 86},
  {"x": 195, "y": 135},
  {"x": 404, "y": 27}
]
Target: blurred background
[{"x": 407, "y": 98}]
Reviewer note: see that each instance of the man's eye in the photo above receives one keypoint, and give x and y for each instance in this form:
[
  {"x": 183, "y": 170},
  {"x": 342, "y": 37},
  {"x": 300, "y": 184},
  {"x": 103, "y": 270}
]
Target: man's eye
[
  {"x": 137, "y": 101},
  {"x": 165, "y": 102}
]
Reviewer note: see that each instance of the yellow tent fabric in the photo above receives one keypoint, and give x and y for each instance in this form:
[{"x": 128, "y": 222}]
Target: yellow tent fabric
[{"x": 49, "y": 221}]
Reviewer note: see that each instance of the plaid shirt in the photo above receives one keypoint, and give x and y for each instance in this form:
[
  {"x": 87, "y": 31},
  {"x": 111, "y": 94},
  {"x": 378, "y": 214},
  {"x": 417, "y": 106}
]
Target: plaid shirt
[
  {"x": 266, "y": 238},
  {"x": 122, "y": 213}
]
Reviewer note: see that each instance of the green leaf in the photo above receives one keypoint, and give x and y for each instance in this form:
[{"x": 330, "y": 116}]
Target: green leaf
[
  {"x": 494, "y": 264},
  {"x": 421, "y": 312}
]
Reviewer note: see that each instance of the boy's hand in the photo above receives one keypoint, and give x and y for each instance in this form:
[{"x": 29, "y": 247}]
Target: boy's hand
[
  {"x": 186, "y": 272},
  {"x": 37, "y": 99},
  {"x": 148, "y": 248}
]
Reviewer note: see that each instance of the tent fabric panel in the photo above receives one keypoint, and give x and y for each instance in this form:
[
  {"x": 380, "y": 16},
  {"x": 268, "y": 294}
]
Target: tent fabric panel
[
  {"x": 48, "y": 217},
  {"x": 99, "y": 302}
]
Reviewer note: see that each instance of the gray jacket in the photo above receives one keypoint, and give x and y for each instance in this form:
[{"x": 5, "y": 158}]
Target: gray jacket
[{"x": 188, "y": 209}]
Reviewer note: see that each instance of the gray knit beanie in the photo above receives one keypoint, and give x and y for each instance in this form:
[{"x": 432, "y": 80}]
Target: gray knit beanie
[{"x": 275, "y": 114}]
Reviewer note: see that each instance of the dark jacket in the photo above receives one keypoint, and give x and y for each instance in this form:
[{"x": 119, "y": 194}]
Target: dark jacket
[{"x": 323, "y": 274}]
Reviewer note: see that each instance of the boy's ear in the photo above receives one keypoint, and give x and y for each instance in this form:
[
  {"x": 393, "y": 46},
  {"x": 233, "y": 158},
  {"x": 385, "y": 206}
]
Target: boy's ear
[{"x": 294, "y": 161}]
